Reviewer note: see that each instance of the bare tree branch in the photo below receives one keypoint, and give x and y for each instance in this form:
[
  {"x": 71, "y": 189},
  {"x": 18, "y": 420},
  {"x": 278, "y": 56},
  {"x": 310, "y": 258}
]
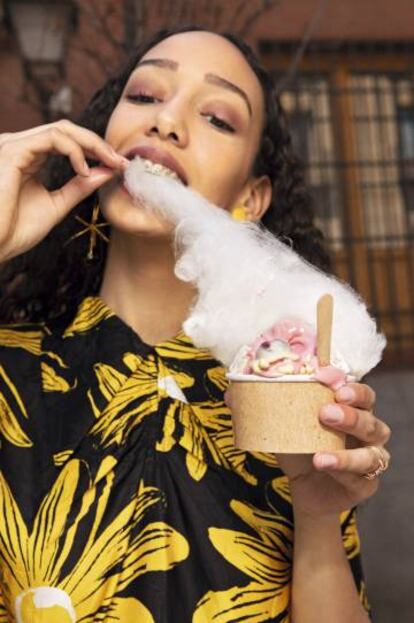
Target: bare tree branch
[
  {"x": 130, "y": 19},
  {"x": 141, "y": 11},
  {"x": 240, "y": 7},
  {"x": 100, "y": 23},
  {"x": 265, "y": 6},
  {"x": 26, "y": 97},
  {"x": 181, "y": 14},
  {"x": 102, "y": 63},
  {"x": 217, "y": 16},
  {"x": 306, "y": 37}
]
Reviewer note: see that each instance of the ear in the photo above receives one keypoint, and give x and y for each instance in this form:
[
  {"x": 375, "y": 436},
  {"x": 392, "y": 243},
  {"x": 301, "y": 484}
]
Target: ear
[{"x": 256, "y": 198}]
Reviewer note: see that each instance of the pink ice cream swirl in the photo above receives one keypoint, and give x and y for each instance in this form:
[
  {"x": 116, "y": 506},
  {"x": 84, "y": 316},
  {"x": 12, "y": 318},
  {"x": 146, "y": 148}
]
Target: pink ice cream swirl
[{"x": 289, "y": 347}]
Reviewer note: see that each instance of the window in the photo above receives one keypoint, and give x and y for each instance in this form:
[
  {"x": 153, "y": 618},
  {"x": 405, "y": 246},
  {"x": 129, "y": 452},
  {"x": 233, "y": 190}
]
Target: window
[
  {"x": 307, "y": 104},
  {"x": 405, "y": 116},
  {"x": 384, "y": 132}
]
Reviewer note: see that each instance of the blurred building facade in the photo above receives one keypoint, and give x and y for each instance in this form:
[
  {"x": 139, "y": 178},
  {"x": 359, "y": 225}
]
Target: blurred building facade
[{"x": 345, "y": 73}]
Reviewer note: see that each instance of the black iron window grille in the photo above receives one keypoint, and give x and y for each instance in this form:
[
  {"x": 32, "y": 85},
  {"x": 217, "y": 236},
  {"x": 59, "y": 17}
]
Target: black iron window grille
[{"x": 351, "y": 113}]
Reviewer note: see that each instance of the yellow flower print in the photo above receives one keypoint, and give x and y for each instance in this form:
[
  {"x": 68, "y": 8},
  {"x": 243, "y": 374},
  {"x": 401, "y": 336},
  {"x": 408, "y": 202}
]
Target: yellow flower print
[
  {"x": 362, "y": 596},
  {"x": 29, "y": 340},
  {"x": 132, "y": 399},
  {"x": 20, "y": 337},
  {"x": 281, "y": 486},
  {"x": 203, "y": 428},
  {"x": 9, "y": 425},
  {"x": 217, "y": 375},
  {"x": 3, "y": 611},
  {"x": 38, "y": 586},
  {"x": 91, "y": 312},
  {"x": 267, "y": 458},
  {"x": 236, "y": 458},
  {"x": 193, "y": 438},
  {"x": 52, "y": 382},
  {"x": 223, "y": 435},
  {"x": 181, "y": 347},
  {"x": 128, "y": 609},
  {"x": 350, "y": 535},
  {"x": 109, "y": 381},
  {"x": 266, "y": 559},
  {"x": 215, "y": 417},
  {"x": 172, "y": 382},
  {"x": 60, "y": 458}
]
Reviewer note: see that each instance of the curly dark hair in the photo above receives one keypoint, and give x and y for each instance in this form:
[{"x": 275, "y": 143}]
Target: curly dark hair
[{"x": 49, "y": 281}]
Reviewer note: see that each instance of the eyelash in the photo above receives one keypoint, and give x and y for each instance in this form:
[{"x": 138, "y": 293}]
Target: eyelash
[{"x": 220, "y": 124}]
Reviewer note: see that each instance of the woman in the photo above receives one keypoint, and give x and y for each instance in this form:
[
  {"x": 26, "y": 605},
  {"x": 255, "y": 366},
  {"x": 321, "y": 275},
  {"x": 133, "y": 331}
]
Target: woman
[{"x": 122, "y": 496}]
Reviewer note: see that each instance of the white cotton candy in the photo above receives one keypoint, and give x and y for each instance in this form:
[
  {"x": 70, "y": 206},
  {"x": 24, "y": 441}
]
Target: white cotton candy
[{"x": 248, "y": 280}]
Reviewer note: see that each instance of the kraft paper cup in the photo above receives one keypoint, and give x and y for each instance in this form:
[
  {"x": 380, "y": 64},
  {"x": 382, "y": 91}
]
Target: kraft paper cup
[{"x": 282, "y": 417}]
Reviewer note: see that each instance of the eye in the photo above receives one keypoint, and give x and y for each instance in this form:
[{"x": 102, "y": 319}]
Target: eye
[
  {"x": 142, "y": 98},
  {"x": 220, "y": 123}
]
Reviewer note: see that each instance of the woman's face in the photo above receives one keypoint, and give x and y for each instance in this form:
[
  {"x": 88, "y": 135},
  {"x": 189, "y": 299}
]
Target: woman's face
[{"x": 194, "y": 96}]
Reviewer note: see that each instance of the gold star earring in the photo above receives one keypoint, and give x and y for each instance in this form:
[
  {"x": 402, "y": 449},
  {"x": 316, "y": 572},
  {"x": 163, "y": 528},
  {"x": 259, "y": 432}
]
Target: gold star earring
[{"x": 94, "y": 230}]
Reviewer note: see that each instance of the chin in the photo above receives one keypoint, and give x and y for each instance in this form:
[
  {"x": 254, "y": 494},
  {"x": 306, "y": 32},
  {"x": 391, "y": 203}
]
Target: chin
[{"x": 128, "y": 217}]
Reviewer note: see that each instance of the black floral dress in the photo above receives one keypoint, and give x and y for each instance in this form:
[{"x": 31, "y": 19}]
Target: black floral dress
[{"x": 122, "y": 496}]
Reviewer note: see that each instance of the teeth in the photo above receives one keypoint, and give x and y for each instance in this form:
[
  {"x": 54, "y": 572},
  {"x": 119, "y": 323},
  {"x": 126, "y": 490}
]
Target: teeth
[{"x": 159, "y": 169}]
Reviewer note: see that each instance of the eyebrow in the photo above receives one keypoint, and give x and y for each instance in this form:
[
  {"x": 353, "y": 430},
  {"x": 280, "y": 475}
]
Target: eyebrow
[{"x": 166, "y": 63}]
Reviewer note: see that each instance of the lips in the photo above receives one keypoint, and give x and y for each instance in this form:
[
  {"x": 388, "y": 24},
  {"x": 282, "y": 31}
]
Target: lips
[{"x": 158, "y": 156}]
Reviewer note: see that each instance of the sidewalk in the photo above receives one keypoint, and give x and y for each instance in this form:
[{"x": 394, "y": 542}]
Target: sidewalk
[{"x": 386, "y": 521}]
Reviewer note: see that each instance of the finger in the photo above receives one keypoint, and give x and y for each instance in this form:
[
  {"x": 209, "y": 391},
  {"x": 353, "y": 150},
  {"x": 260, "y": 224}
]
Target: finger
[
  {"x": 358, "y": 489},
  {"x": 5, "y": 136},
  {"x": 23, "y": 153},
  {"x": 357, "y": 422},
  {"x": 358, "y": 461},
  {"x": 25, "y": 157},
  {"x": 77, "y": 189},
  {"x": 65, "y": 126},
  {"x": 8, "y": 137},
  {"x": 12, "y": 136},
  {"x": 95, "y": 146},
  {"x": 356, "y": 394},
  {"x": 65, "y": 145}
]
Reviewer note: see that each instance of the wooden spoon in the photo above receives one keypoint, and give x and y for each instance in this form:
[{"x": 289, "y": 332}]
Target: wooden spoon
[{"x": 324, "y": 313}]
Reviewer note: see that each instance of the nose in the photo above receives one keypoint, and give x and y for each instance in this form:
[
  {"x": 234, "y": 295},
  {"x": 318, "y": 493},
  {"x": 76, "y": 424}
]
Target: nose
[{"x": 169, "y": 124}]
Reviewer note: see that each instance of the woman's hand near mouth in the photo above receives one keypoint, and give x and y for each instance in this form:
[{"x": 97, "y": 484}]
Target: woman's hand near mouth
[{"x": 29, "y": 210}]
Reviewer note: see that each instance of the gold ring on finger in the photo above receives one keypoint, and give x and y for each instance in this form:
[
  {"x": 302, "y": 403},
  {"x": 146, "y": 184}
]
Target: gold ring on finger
[{"x": 383, "y": 462}]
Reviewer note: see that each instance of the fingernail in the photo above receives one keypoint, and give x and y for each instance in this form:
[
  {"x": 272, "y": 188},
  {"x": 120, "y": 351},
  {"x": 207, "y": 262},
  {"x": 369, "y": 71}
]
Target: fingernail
[
  {"x": 98, "y": 172},
  {"x": 332, "y": 414},
  {"x": 326, "y": 460},
  {"x": 85, "y": 168},
  {"x": 116, "y": 155},
  {"x": 345, "y": 394}
]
